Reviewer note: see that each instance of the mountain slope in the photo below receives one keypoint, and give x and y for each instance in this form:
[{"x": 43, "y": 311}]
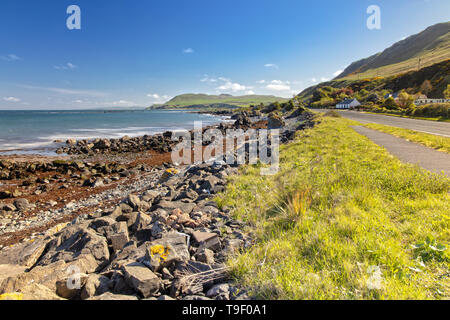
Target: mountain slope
[
  {"x": 223, "y": 100},
  {"x": 417, "y": 51}
]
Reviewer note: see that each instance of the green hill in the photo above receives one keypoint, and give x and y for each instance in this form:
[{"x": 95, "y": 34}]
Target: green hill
[
  {"x": 424, "y": 49},
  {"x": 216, "y": 101}
]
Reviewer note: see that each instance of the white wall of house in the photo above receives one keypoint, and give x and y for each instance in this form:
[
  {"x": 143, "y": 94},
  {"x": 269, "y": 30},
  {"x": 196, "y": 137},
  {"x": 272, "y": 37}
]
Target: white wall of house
[
  {"x": 353, "y": 104},
  {"x": 419, "y": 102}
]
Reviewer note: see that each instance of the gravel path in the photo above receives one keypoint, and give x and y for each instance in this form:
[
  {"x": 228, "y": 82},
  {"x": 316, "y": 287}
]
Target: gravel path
[{"x": 409, "y": 152}]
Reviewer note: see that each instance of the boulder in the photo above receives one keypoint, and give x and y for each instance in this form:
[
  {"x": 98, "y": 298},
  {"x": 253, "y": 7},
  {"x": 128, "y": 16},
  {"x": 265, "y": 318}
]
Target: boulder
[
  {"x": 24, "y": 254},
  {"x": 207, "y": 240},
  {"x": 205, "y": 255},
  {"x": 21, "y": 204},
  {"x": 275, "y": 122},
  {"x": 7, "y": 207},
  {"x": 133, "y": 201},
  {"x": 74, "y": 243},
  {"x": 67, "y": 289},
  {"x": 164, "y": 252},
  {"x": 142, "y": 279},
  {"x": 119, "y": 235},
  {"x": 96, "y": 285}
]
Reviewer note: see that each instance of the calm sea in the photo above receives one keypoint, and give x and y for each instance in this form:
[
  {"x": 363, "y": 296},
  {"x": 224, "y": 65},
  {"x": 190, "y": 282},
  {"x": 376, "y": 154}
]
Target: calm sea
[{"x": 35, "y": 131}]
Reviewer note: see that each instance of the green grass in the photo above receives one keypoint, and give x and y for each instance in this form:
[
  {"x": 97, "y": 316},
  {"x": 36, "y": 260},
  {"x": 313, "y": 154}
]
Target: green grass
[
  {"x": 339, "y": 208},
  {"x": 393, "y": 114},
  {"x": 430, "y": 140}
]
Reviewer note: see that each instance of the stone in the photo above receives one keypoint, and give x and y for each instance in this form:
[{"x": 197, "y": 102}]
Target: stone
[
  {"x": 111, "y": 296},
  {"x": 218, "y": 289},
  {"x": 170, "y": 205},
  {"x": 162, "y": 253},
  {"x": 275, "y": 122},
  {"x": 65, "y": 289},
  {"x": 129, "y": 218},
  {"x": 133, "y": 201},
  {"x": 96, "y": 285},
  {"x": 24, "y": 254},
  {"x": 47, "y": 275},
  {"x": 143, "y": 221},
  {"x": 205, "y": 255},
  {"x": 119, "y": 236},
  {"x": 74, "y": 243},
  {"x": 207, "y": 240},
  {"x": 21, "y": 204},
  {"x": 125, "y": 208},
  {"x": 35, "y": 291},
  {"x": 101, "y": 222},
  {"x": 7, "y": 207},
  {"x": 142, "y": 279}
]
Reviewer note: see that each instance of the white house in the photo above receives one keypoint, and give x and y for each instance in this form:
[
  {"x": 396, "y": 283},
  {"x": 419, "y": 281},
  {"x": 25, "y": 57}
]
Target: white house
[
  {"x": 422, "y": 101},
  {"x": 348, "y": 104}
]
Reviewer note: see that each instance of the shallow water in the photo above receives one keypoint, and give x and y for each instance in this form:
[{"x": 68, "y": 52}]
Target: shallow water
[{"x": 34, "y": 132}]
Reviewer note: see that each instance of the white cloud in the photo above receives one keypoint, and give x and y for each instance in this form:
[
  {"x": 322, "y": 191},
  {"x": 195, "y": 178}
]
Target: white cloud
[
  {"x": 313, "y": 80},
  {"x": 188, "y": 50},
  {"x": 67, "y": 66},
  {"x": 250, "y": 92},
  {"x": 323, "y": 79},
  {"x": 10, "y": 57},
  {"x": 261, "y": 81},
  {"x": 271, "y": 65},
  {"x": 206, "y": 78},
  {"x": 278, "y": 85},
  {"x": 11, "y": 99},
  {"x": 338, "y": 72},
  {"x": 158, "y": 98},
  {"x": 232, "y": 86}
]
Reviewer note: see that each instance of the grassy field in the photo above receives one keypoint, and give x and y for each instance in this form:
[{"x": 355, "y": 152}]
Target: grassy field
[
  {"x": 440, "y": 119},
  {"x": 342, "y": 219},
  {"x": 429, "y": 140},
  {"x": 426, "y": 60},
  {"x": 188, "y": 100}
]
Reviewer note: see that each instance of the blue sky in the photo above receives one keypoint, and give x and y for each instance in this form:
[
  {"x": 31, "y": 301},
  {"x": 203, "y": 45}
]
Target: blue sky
[{"x": 136, "y": 53}]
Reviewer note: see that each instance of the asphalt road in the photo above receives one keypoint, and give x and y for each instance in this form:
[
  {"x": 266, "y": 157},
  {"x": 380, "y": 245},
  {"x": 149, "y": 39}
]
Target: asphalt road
[
  {"x": 426, "y": 126},
  {"x": 409, "y": 152}
]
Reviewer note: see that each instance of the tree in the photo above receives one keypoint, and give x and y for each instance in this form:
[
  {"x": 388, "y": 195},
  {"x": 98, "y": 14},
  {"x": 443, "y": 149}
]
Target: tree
[
  {"x": 447, "y": 92},
  {"x": 390, "y": 104},
  {"x": 426, "y": 87},
  {"x": 405, "y": 100}
]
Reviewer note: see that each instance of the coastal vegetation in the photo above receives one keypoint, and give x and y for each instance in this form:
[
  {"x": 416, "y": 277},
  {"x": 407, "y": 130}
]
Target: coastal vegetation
[{"x": 342, "y": 219}]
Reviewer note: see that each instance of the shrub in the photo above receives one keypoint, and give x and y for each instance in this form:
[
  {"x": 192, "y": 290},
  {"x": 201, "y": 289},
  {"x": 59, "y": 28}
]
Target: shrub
[
  {"x": 432, "y": 110},
  {"x": 390, "y": 104},
  {"x": 332, "y": 113}
]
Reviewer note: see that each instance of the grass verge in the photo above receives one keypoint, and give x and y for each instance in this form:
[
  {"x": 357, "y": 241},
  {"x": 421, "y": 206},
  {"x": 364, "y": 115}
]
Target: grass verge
[
  {"x": 430, "y": 140},
  {"x": 439, "y": 119},
  {"x": 342, "y": 219}
]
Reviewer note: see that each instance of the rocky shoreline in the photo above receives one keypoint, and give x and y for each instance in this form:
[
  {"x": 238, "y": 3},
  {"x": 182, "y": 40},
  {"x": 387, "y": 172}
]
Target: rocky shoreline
[{"x": 137, "y": 230}]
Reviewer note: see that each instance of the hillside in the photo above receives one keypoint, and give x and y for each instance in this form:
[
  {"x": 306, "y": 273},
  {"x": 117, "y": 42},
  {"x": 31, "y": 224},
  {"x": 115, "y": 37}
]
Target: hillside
[
  {"x": 216, "y": 101},
  {"x": 417, "y": 51}
]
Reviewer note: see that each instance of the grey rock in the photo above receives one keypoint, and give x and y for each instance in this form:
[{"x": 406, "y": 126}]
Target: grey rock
[
  {"x": 218, "y": 289},
  {"x": 142, "y": 279},
  {"x": 21, "y": 204}
]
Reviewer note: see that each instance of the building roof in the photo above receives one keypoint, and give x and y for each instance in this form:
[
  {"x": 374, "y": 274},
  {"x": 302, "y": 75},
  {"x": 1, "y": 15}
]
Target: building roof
[{"x": 348, "y": 101}]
